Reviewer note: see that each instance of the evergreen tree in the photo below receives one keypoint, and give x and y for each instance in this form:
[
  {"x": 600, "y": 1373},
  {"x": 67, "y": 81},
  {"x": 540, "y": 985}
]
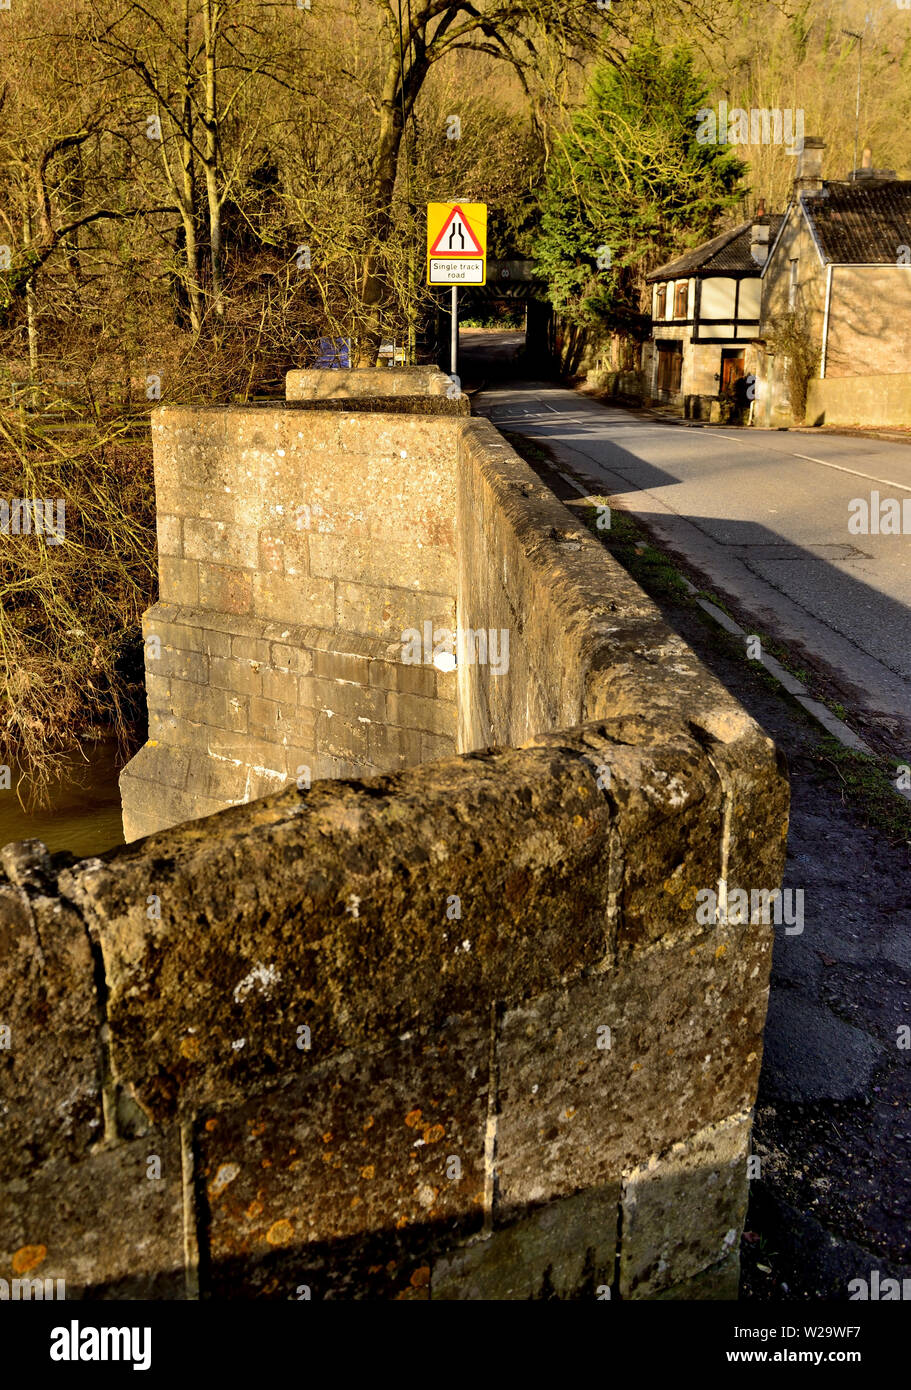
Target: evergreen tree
[{"x": 629, "y": 185}]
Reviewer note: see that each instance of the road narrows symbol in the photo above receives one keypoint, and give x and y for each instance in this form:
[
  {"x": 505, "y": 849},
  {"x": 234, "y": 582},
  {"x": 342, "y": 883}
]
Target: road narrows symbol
[{"x": 456, "y": 237}]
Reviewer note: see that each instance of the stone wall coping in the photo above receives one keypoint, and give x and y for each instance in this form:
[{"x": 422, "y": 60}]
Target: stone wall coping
[
  {"x": 327, "y": 908},
  {"x": 637, "y": 666},
  {"x": 363, "y": 381}
]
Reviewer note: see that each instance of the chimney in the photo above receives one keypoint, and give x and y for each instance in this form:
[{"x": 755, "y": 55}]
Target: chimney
[
  {"x": 809, "y": 166},
  {"x": 867, "y": 174},
  {"x": 759, "y": 243}
]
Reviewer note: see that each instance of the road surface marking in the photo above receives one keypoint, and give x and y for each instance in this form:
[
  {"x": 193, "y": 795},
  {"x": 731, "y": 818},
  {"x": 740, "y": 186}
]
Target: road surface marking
[{"x": 785, "y": 453}]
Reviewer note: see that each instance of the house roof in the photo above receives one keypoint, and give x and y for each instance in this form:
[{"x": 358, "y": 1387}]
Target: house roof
[
  {"x": 859, "y": 225},
  {"x": 728, "y": 252}
]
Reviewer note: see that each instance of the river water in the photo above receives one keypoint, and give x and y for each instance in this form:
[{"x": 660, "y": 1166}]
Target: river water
[{"x": 82, "y": 814}]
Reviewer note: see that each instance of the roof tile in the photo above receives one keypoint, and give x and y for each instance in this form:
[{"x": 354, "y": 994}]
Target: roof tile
[
  {"x": 862, "y": 225},
  {"x": 729, "y": 251}
]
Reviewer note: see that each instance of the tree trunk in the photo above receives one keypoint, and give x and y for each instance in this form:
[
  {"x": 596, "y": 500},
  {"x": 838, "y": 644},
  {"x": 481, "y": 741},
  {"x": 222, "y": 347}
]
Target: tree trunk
[
  {"x": 211, "y": 20},
  {"x": 32, "y": 319},
  {"x": 374, "y": 290},
  {"x": 31, "y": 311}
]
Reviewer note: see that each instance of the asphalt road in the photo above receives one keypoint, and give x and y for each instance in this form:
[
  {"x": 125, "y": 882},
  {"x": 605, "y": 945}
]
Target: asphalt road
[{"x": 763, "y": 515}]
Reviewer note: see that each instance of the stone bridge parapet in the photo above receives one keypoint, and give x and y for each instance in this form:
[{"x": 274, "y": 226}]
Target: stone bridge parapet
[{"x": 450, "y": 1027}]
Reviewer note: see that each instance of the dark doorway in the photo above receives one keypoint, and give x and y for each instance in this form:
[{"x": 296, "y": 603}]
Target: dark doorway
[
  {"x": 670, "y": 366},
  {"x": 732, "y": 368}
]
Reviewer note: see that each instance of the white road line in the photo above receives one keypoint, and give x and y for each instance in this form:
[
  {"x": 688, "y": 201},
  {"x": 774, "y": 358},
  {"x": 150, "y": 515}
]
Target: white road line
[{"x": 786, "y": 454}]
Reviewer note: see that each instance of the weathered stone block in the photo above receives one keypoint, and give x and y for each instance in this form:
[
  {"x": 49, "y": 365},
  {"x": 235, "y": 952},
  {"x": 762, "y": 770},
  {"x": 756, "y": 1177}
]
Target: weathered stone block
[
  {"x": 183, "y": 665},
  {"x": 218, "y": 543},
  {"x": 170, "y": 535},
  {"x": 718, "y": 1283},
  {"x": 253, "y": 649},
  {"x": 683, "y": 1213},
  {"x": 389, "y": 749},
  {"x": 166, "y": 729},
  {"x": 109, "y": 1225},
  {"x": 365, "y": 382},
  {"x": 286, "y": 658},
  {"x": 145, "y": 811},
  {"x": 224, "y": 589},
  {"x": 285, "y": 552},
  {"x": 184, "y": 501},
  {"x": 345, "y": 666},
  {"x": 670, "y": 831},
  {"x": 284, "y": 722},
  {"x": 50, "y": 1061},
  {"x": 288, "y": 926},
  {"x": 187, "y": 629},
  {"x": 280, "y": 685},
  {"x": 615, "y": 1069},
  {"x": 199, "y": 704},
  {"x": 393, "y": 1144},
  {"x": 414, "y": 712},
  {"x": 565, "y": 1250},
  {"x": 300, "y": 764},
  {"x": 396, "y": 675},
  {"x": 339, "y": 737},
  {"x": 178, "y": 580},
  {"x": 215, "y": 782},
  {"x": 437, "y": 746},
  {"x": 387, "y": 612},
  {"x": 247, "y": 750},
  {"x": 234, "y": 674},
  {"x": 299, "y": 600},
  {"x": 345, "y": 700},
  {"x": 159, "y": 763},
  {"x": 370, "y": 560}
]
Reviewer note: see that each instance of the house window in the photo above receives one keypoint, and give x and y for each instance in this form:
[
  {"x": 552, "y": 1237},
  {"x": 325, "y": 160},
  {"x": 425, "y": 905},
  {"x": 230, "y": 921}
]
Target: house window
[
  {"x": 792, "y": 285},
  {"x": 680, "y": 299},
  {"x": 660, "y": 302}
]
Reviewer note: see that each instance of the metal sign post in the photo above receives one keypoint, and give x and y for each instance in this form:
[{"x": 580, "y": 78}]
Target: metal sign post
[{"x": 454, "y": 349}]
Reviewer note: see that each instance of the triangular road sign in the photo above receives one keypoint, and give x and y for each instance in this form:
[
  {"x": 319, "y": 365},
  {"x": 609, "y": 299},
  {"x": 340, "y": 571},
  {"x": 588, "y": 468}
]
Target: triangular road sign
[{"x": 456, "y": 238}]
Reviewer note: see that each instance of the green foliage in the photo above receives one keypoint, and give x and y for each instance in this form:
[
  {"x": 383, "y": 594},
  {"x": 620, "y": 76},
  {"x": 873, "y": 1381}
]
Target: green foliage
[{"x": 630, "y": 175}]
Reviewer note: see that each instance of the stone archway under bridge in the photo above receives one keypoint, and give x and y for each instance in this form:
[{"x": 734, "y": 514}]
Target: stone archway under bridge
[{"x": 511, "y": 285}]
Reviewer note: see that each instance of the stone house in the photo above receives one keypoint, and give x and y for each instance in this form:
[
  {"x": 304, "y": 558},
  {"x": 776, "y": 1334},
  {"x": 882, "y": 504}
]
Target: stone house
[
  {"x": 841, "y": 263},
  {"x": 705, "y": 312}
]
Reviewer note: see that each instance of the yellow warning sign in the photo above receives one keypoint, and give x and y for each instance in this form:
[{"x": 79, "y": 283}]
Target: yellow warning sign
[{"x": 456, "y": 243}]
